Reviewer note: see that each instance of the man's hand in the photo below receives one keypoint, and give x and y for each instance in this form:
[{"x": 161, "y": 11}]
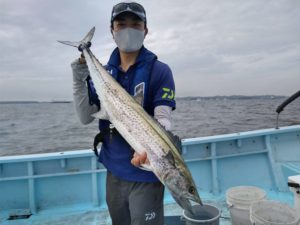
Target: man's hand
[
  {"x": 139, "y": 159},
  {"x": 82, "y": 59}
]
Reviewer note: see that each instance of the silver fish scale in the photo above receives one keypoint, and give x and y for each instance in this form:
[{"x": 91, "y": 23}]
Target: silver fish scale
[
  {"x": 140, "y": 136},
  {"x": 126, "y": 116}
]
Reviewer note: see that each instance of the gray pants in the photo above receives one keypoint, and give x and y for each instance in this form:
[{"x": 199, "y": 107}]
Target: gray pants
[{"x": 134, "y": 203}]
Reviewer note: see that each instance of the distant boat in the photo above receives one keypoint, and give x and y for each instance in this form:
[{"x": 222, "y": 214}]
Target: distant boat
[{"x": 65, "y": 101}]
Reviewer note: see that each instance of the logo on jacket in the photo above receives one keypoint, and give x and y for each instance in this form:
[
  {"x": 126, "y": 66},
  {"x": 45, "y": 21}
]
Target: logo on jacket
[{"x": 168, "y": 93}]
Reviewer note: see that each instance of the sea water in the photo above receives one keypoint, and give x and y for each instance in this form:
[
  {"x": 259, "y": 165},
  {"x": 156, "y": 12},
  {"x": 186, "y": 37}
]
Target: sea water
[{"x": 38, "y": 127}]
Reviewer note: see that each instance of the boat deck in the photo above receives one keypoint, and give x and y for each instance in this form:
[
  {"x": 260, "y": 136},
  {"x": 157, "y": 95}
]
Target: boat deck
[
  {"x": 84, "y": 215},
  {"x": 69, "y": 187}
]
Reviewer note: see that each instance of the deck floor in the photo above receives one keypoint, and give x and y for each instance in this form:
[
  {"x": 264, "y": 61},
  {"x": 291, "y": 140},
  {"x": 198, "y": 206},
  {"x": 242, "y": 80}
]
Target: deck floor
[
  {"x": 96, "y": 217},
  {"x": 87, "y": 216}
]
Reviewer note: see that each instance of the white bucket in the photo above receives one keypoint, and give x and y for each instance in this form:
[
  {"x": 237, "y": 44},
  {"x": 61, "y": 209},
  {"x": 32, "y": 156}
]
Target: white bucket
[
  {"x": 202, "y": 215},
  {"x": 239, "y": 200},
  {"x": 273, "y": 213}
]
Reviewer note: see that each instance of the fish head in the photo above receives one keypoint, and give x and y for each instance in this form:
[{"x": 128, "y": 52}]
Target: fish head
[{"x": 182, "y": 187}]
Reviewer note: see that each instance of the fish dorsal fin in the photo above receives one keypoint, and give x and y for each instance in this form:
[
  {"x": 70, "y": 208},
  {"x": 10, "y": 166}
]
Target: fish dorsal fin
[{"x": 176, "y": 140}]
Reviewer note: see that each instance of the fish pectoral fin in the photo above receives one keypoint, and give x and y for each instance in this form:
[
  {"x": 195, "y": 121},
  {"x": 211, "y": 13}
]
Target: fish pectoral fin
[
  {"x": 102, "y": 114},
  {"x": 169, "y": 156},
  {"x": 146, "y": 167}
]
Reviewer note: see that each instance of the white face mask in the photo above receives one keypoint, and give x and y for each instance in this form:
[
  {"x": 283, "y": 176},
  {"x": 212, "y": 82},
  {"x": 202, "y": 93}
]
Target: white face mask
[{"x": 129, "y": 39}]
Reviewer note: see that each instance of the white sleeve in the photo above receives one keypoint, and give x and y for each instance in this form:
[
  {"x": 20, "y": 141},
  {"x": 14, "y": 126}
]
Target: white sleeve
[
  {"x": 80, "y": 93},
  {"x": 162, "y": 114}
]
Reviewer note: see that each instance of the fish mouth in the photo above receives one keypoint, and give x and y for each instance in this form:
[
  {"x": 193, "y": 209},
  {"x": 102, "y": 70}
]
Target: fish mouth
[
  {"x": 195, "y": 200},
  {"x": 188, "y": 202},
  {"x": 185, "y": 202}
]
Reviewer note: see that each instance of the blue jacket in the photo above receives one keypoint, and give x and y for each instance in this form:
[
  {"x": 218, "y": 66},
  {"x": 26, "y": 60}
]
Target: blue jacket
[{"x": 156, "y": 79}]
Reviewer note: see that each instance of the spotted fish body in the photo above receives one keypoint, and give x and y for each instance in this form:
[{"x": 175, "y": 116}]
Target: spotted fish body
[{"x": 140, "y": 130}]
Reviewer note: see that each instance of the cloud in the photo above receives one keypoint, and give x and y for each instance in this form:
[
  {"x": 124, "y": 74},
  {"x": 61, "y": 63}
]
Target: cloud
[{"x": 213, "y": 47}]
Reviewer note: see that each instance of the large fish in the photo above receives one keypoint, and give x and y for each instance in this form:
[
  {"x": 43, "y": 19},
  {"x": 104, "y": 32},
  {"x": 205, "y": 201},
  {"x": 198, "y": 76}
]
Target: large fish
[{"x": 140, "y": 130}]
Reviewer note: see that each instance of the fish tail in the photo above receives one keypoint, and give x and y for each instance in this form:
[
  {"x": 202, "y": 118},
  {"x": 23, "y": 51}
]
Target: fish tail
[{"x": 84, "y": 43}]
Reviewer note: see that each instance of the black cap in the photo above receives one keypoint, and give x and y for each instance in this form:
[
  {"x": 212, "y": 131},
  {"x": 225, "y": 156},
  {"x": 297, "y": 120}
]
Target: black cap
[{"x": 131, "y": 7}]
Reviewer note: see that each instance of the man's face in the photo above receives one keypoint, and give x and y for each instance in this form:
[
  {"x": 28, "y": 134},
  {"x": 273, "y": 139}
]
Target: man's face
[{"x": 128, "y": 20}]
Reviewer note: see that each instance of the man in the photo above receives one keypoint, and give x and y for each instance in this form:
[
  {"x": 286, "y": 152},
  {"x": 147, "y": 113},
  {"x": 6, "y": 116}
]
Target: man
[{"x": 134, "y": 196}]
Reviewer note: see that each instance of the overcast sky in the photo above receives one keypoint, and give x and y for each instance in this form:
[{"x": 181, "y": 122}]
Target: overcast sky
[{"x": 214, "y": 47}]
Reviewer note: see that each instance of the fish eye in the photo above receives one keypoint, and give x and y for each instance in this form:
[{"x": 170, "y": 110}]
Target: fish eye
[{"x": 192, "y": 190}]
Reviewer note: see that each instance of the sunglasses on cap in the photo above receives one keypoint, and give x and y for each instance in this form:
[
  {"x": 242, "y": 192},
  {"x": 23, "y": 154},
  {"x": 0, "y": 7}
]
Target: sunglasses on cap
[{"x": 128, "y": 7}]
